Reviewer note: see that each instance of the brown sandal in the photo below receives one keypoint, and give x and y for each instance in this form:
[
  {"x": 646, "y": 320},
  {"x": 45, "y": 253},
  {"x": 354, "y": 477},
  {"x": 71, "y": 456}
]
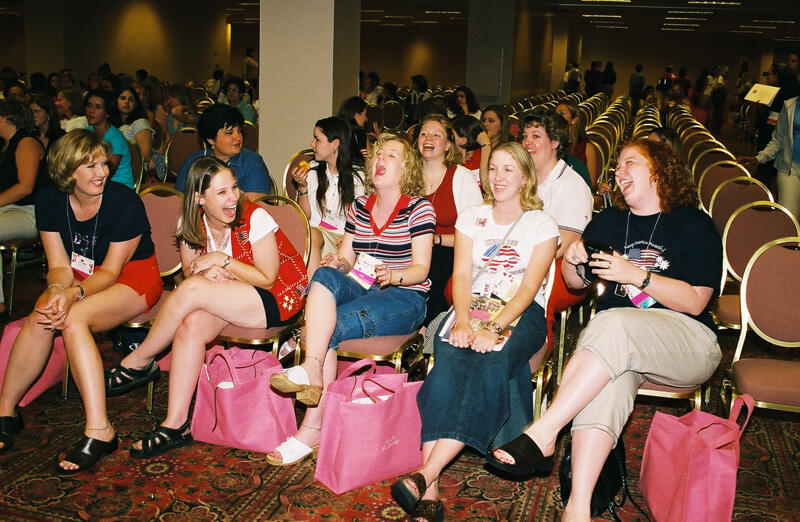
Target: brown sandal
[
  {"x": 428, "y": 510},
  {"x": 404, "y": 496}
]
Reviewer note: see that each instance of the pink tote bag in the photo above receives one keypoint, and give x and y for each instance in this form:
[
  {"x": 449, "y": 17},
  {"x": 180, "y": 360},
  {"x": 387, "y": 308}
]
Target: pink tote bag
[
  {"x": 370, "y": 429},
  {"x": 53, "y": 371},
  {"x": 235, "y": 406},
  {"x": 689, "y": 464}
]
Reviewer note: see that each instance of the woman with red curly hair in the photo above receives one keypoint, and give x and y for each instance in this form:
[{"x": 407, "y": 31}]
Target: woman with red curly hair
[{"x": 652, "y": 323}]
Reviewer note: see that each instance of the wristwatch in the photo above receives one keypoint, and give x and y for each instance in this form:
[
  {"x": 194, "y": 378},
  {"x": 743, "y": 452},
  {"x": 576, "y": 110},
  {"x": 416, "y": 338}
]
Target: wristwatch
[
  {"x": 82, "y": 293},
  {"x": 227, "y": 262}
]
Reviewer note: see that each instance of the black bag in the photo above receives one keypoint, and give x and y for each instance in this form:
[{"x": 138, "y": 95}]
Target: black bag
[
  {"x": 613, "y": 477},
  {"x": 125, "y": 340}
]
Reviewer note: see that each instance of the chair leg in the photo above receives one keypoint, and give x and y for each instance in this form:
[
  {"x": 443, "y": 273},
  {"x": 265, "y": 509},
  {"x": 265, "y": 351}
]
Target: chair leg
[
  {"x": 10, "y": 299},
  {"x": 65, "y": 381},
  {"x": 150, "y": 397},
  {"x": 562, "y": 342}
]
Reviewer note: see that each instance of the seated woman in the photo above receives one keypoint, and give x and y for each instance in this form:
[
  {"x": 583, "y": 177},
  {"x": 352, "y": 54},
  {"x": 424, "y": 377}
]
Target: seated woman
[
  {"x": 653, "y": 322},
  {"x": 69, "y": 103},
  {"x": 472, "y": 142},
  {"x": 391, "y": 228},
  {"x": 45, "y": 119},
  {"x": 101, "y": 112},
  {"x": 495, "y": 123},
  {"x": 464, "y": 103},
  {"x": 581, "y": 155},
  {"x": 450, "y": 188},
  {"x": 327, "y": 189},
  {"x": 134, "y": 124},
  {"x": 22, "y": 172},
  {"x": 230, "y": 258},
  {"x": 233, "y": 87},
  {"x": 466, "y": 399},
  {"x": 353, "y": 110},
  {"x": 102, "y": 272}
]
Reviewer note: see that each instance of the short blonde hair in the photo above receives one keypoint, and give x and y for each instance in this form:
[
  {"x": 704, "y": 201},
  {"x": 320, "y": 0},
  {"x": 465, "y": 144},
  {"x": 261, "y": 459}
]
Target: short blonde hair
[
  {"x": 412, "y": 182},
  {"x": 528, "y": 199},
  {"x": 452, "y": 156},
  {"x": 72, "y": 150}
]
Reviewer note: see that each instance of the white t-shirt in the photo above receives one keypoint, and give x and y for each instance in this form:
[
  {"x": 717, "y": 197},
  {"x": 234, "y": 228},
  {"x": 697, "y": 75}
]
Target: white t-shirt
[
  {"x": 261, "y": 224},
  {"x": 77, "y": 122},
  {"x": 507, "y": 268},
  {"x": 566, "y": 198},
  {"x": 333, "y": 215},
  {"x": 466, "y": 192},
  {"x": 130, "y": 130}
]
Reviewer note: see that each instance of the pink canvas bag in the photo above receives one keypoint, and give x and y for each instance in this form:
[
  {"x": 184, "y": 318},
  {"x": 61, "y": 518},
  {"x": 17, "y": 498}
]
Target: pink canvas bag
[
  {"x": 53, "y": 372},
  {"x": 689, "y": 464},
  {"x": 235, "y": 406},
  {"x": 370, "y": 429}
]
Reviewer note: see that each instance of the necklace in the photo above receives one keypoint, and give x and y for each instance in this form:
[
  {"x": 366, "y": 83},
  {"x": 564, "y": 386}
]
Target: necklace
[
  {"x": 627, "y": 227},
  {"x": 92, "y": 239}
]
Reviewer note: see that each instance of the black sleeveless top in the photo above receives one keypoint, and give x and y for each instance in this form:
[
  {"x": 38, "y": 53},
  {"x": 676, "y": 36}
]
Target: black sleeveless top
[{"x": 8, "y": 168}]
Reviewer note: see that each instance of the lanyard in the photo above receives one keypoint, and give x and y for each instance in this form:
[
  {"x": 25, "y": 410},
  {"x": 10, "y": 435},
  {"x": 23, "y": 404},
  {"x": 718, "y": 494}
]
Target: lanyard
[{"x": 92, "y": 239}]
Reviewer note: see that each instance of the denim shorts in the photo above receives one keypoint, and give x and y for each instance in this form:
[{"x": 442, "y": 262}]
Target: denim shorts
[{"x": 374, "y": 312}]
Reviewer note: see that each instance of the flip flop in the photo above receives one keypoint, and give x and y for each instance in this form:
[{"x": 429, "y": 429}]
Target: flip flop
[{"x": 291, "y": 451}]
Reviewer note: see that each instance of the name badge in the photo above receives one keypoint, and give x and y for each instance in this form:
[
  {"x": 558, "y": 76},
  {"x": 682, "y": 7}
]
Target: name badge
[
  {"x": 363, "y": 271},
  {"x": 638, "y": 297},
  {"x": 81, "y": 264}
]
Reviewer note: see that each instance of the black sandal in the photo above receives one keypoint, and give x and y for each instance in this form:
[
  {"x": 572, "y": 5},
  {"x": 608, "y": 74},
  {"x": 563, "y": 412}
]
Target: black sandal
[
  {"x": 9, "y": 426},
  {"x": 120, "y": 380},
  {"x": 429, "y": 510},
  {"x": 528, "y": 458},
  {"x": 404, "y": 496},
  {"x": 162, "y": 440},
  {"x": 86, "y": 454}
]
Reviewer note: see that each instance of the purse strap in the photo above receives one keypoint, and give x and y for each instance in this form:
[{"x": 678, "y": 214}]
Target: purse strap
[
  {"x": 736, "y": 408},
  {"x": 368, "y": 394},
  {"x": 499, "y": 246}
]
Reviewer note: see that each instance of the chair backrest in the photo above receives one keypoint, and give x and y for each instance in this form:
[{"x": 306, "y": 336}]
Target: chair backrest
[
  {"x": 374, "y": 116},
  {"x": 164, "y": 205},
  {"x": 713, "y": 177},
  {"x": 411, "y": 131},
  {"x": 289, "y": 188},
  {"x": 748, "y": 228},
  {"x": 180, "y": 146},
  {"x": 732, "y": 194},
  {"x": 291, "y": 220},
  {"x": 392, "y": 116},
  {"x": 137, "y": 165},
  {"x": 706, "y": 158},
  {"x": 770, "y": 296},
  {"x": 250, "y": 136}
]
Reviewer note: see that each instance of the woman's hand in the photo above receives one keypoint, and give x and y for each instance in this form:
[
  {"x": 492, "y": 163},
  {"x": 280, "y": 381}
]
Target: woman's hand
[
  {"x": 54, "y": 306},
  {"x": 484, "y": 341},
  {"x": 217, "y": 274},
  {"x": 206, "y": 261},
  {"x": 576, "y": 254},
  {"x": 616, "y": 268},
  {"x": 300, "y": 176},
  {"x": 383, "y": 275},
  {"x": 461, "y": 335},
  {"x": 483, "y": 139},
  {"x": 603, "y": 188},
  {"x": 334, "y": 261}
]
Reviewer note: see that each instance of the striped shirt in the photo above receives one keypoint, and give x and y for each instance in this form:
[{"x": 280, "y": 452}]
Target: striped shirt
[{"x": 412, "y": 217}]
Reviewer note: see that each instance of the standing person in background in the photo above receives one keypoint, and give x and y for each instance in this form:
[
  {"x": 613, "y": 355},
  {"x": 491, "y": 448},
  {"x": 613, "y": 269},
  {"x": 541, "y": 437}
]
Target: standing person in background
[
  {"x": 593, "y": 79},
  {"x": 608, "y": 78},
  {"x": 684, "y": 80},
  {"x": 719, "y": 93},
  {"x": 250, "y": 68},
  {"x": 636, "y": 87},
  {"x": 573, "y": 81}
]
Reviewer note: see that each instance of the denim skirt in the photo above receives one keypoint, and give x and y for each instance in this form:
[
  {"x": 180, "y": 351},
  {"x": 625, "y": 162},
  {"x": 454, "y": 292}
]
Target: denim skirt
[
  {"x": 482, "y": 399},
  {"x": 373, "y": 312}
]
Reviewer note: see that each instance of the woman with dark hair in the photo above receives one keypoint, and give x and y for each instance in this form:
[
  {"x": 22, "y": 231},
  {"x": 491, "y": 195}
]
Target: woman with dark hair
[
  {"x": 608, "y": 78},
  {"x": 102, "y": 271},
  {"x": 102, "y": 115},
  {"x": 450, "y": 188},
  {"x": 69, "y": 103},
  {"x": 135, "y": 125},
  {"x": 22, "y": 173},
  {"x": 668, "y": 136},
  {"x": 653, "y": 322},
  {"x": 234, "y": 90},
  {"x": 464, "y": 102},
  {"x": 388, "y": 233},
  {"x": 495, "y": 123},
  {"x": 230, "y": 253},
  {"x": 466, "y": 399},
  {"x": 45, "y": 120},
  {"x": 578, "y": 146},
  {"x": 353, "y": 110},
  {"x": 176, "y": 112},
  {"x": 327, "y": 189},
  {"x": 372, "y": 88},
  {"x": 473, "y": 144},
  {"x": 53, "y": 84}
]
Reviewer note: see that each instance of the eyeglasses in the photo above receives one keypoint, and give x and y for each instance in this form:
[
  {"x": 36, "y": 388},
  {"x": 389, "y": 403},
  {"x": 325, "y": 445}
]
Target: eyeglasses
[{"x": 237, "y": 91}]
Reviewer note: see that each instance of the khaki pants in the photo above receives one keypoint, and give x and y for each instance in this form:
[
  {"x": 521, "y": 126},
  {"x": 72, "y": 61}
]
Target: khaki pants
[
  {"x": 658, "y": 345},
  {"x": 16, "y": 222}
]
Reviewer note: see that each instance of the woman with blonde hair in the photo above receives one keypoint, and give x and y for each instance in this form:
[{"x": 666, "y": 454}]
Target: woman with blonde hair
[
  {"x": 375, "y": 285},
  {"x": 102, "y": 272},
  {"x": 231, "y": 255},
  {"x": 503, "y": 249}
]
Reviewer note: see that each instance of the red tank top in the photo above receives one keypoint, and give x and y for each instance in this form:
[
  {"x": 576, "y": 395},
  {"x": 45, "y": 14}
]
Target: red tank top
[
  {"x": 444, "y": 204},
  {"x": 474, "y": 162}
]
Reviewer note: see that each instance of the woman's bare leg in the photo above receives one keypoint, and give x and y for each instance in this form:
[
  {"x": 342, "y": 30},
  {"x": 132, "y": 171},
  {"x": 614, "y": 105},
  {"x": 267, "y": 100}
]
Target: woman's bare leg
[
  {"x": 321, "y": 313},
  {"x": 315, "y": 254},
  {"x": 590, "y": 449},
  {"x": 436, "y": 455}
]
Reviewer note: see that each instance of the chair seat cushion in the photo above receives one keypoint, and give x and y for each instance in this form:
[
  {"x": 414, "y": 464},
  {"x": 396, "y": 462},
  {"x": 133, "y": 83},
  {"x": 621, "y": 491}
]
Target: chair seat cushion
[
  {"x": 382, "y": 345},
  {"x": 769, "y": 380},
  {"x": 652, "y": 386},
  {"x": 728, "y": 310}
]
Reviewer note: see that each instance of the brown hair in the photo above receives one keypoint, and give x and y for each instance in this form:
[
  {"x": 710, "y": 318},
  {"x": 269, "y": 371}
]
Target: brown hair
[
  {"x": 69, "y": 152},
  {"x": 191, "y": 230},
  {"x": 674, "y": 187},
  {"x": 528, "y": 199},
  {"x": 452, "y": 156},
  {"x": 412, "y": 182}
]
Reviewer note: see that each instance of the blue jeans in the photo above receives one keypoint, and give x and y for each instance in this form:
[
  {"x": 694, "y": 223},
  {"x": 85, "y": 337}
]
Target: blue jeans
[
  {"x": 482, "y": 399},
  {"x": 364, "y": 313}
]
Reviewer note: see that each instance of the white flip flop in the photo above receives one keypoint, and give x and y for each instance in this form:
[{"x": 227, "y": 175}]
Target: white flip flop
[{"x": 291, "y": 451}]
